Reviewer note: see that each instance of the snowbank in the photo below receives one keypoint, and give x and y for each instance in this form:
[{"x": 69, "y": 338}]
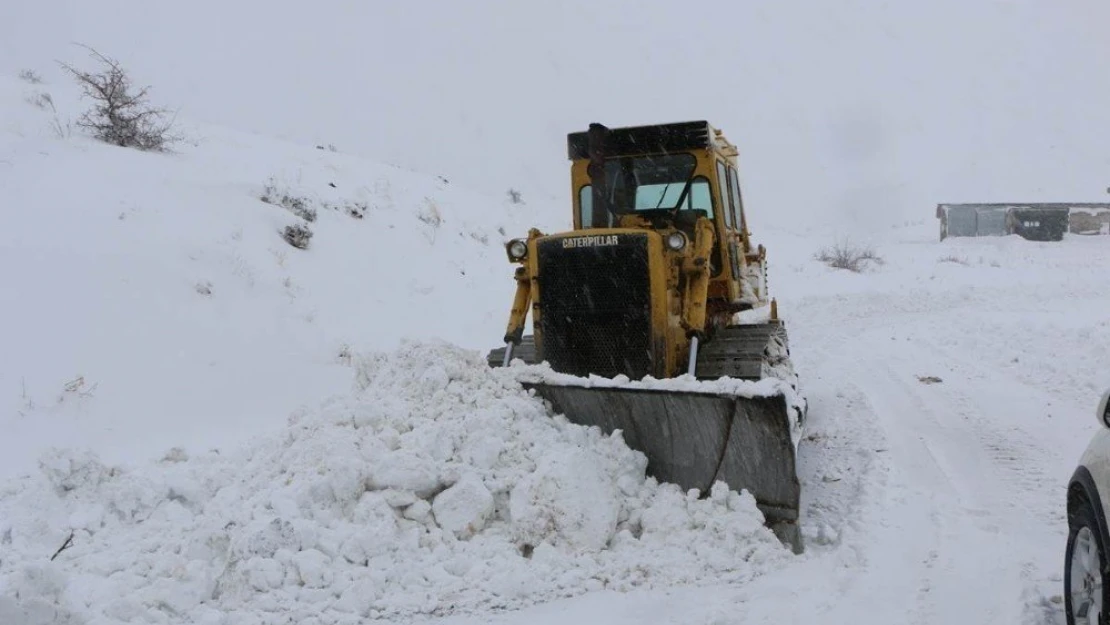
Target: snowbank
[{"x": 440, "y": 487}]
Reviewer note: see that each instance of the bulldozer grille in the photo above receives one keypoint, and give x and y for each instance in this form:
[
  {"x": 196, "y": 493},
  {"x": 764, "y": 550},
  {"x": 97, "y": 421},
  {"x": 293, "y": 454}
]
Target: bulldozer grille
[{"x": 595, "y": 306}]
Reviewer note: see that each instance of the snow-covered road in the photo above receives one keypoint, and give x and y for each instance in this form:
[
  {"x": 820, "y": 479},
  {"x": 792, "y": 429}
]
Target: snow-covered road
[
  {"x": 944, "y": 426},
  {"x": 960, "y": 509}
]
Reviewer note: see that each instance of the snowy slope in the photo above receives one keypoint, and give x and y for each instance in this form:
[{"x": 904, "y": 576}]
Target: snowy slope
[
  {"x": 154, "y": 313},
  {"x": 150, "y": 300}
]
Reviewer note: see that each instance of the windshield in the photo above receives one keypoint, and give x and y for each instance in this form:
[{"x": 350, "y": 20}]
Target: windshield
[{"x": 638, "y": 183}]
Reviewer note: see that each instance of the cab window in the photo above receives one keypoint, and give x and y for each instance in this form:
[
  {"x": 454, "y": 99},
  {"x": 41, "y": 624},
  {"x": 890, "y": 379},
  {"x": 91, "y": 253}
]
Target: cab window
[
  {"x": 669, "y": 196},
  {"x": 647, "y": 197},
  {"x": 726, "y": 202},
  {"x": 586, "y": 210},
  {"x": 655, "y": 182},
  {"x": 700, "y": 198},
  {"x": 738, "y": 206}
]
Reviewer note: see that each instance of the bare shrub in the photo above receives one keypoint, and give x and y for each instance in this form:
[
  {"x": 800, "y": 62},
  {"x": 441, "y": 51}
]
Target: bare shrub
[
  {"x": 42, "y": 101},
  {"x": 63, "y": 130},
  {"x": 345, "y": 355},
  {"x": 430, "y": 215},
  {"x": 297, "y": 235},
  {"x": 77, "y": 387},
  {"x": 356, "y": 209},
  {"x": 26, "y": 401},
  {"x": 952, "y": 258},
  {"x": 515, "y": 197},
  {"x": 121, "y": 115},
  {"x": 298, "y": 205},
  {"x": 30, "y": 76},
  {"x": 845, "y": 255}
]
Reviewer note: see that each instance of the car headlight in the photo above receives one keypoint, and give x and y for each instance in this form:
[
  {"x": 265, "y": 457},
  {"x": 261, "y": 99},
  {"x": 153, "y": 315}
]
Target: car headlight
[
  {"x": 518, "y": 249},
  {"x": 676, "y": 241}
]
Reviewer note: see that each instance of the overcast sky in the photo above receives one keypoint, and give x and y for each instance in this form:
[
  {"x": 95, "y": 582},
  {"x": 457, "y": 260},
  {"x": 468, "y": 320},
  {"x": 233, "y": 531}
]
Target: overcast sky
[{"x": 867, "y": 110}]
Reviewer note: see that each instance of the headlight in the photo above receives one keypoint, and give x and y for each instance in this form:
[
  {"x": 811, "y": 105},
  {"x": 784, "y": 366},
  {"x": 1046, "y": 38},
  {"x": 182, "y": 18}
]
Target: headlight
[
  {"x": 518, "y": 249},
  {"x": 676, "y": 241}
]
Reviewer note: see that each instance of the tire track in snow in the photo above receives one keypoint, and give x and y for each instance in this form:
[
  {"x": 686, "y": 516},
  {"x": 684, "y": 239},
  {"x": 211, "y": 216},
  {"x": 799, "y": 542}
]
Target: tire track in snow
[
  {"x": 926, "y": 531},
  {"x": 930, "y": 504},
  {"x": 1038, "y": 452},
  {"x": 980, "y": 385},
  {"x": 836, "y": 460},
  {"x": 875, "y": 565},
  {"x": 985, "y": 434},
  {"x": 990, "y": 549}
]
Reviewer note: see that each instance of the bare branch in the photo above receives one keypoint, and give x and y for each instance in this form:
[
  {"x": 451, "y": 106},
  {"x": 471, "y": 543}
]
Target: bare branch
[
  {"x": 121, "y": 114},
  {"x": 30, "y": 76},
  {"x": 845, "y": 255},
  {"x": 65, "y": 545}
]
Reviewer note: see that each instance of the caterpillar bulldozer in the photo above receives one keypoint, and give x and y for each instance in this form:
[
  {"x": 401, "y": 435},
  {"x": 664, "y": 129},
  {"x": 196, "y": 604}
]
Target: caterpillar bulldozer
[{"x": 651, "y": 283}]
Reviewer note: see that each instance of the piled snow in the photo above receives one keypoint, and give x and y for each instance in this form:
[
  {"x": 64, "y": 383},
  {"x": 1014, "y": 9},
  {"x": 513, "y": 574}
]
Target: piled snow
[{"x": 441, "y": 486}]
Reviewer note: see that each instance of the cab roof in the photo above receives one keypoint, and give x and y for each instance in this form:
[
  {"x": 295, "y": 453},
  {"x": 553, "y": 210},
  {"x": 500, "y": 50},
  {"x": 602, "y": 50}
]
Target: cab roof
[{"x": 653, "y": 139}]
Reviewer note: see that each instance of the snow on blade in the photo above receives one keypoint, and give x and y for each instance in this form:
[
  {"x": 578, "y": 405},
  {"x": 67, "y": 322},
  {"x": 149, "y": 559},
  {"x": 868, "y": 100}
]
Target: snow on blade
[
  {"x": 542, "y": 373},
  {"x": 440, "y": 486}
]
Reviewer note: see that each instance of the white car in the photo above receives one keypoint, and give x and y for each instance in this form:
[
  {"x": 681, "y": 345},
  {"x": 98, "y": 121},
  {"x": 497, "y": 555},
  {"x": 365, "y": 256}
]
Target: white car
[{"x": 1085, "y": 561}]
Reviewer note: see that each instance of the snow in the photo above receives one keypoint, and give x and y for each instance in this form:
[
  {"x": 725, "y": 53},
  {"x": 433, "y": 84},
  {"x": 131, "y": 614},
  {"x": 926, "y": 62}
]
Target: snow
[
  {"x": 219, "y": 428},
  {"x": 440, "y": 487}
]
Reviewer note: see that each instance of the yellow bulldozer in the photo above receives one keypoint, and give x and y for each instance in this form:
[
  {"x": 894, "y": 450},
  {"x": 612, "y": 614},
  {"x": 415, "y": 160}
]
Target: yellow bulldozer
[{"x": 651, "y": 283}]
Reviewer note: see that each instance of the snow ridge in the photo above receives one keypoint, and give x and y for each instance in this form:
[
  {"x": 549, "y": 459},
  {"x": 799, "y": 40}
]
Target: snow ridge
[{"x": 439, "y": 486}]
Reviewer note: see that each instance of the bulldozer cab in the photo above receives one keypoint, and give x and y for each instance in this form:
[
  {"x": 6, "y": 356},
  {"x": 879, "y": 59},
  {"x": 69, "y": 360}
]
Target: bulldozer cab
[{"x": 667, "y": 176}]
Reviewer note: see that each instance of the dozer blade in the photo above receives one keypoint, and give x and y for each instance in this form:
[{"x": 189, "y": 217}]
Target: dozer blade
[{"x": 694, "y": 439}]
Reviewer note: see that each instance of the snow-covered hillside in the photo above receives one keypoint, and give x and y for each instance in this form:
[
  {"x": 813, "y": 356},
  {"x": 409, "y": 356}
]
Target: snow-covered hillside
[{"x": 151, "y": 301}]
